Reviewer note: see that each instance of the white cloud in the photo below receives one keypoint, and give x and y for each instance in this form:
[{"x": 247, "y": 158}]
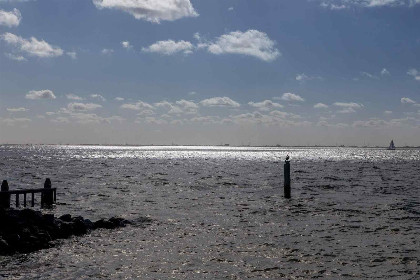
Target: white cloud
[
  {"x": 107, "y": 51},
  {"x": 15, "y": 57},
  {"x": 119, "y": 99},
  {"x": 406, "y": 100},
  {"x": 369, "y": 75},
  {"x": 187, "y": 104},
  {"x": 83, "y": 106},
  {"x": 252, "y": 43},
  {"x": 11, "y": 18},
  {"x": 139, "y": 105},
  {"x": 98, "y": 96},
  {"x": 320, "y": 106},
  {"x": 348, "y": 107},
  {"x": 291, "y": 97},
  {"x": 126, "y": 45},
  {"x": 230, "y": 9},
  {"x": 385, "y": 72},
  {"x": 170, "y": 47},
  {"x": 72, "y": 96},
  {"x": 303, "y": 77},
  {"x": 265, "y": 105},
  {"x": 341, "y": 4},
  {"x": 387, "y": 112},
  {"x": 33, "y": 46},
  {"x": 151, "y": 10},
  {"x": 73, "y": 55},
  {"x": 333, "y": 6},
  {"x": 15, "y": 121},
  {"x": 414, "y": 73},
  {"x": 180, "y": 107},
  {"x": 20, "y": 109},
  {"x": 219, "y": 102},
  {"x": 40, "y": 94},
  {"x": 146, "y": 113},
  {"x": 89, "y": 118}
]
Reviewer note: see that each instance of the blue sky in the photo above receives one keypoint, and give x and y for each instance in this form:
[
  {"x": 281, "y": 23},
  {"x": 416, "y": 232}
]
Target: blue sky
[{"x": 209, "y": 72}]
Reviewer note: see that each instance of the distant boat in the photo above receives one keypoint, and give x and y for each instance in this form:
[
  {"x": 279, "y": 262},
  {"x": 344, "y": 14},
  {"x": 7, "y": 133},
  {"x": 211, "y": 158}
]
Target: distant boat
[{"x": 391, "y": 145}]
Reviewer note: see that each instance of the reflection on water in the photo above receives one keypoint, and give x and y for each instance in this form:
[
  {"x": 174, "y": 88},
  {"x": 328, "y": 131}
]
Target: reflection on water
[
  {"x": 214, "y": 152},
  {"x": 219, "y": 212}
]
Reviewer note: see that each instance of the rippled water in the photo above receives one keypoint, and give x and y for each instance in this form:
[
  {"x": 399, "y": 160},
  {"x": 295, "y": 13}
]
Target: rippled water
[{"x": 219, "y": 212}]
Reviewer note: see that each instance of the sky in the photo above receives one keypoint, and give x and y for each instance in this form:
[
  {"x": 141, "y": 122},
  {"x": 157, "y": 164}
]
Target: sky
[{"x": 197, "y": 72}]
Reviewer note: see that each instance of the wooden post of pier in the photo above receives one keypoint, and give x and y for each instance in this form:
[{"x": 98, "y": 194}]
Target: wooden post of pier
[
  {"x": 287, "y": 188},
  {"x": 4, "y": 197},
  {"x": 47, "y": 197}
]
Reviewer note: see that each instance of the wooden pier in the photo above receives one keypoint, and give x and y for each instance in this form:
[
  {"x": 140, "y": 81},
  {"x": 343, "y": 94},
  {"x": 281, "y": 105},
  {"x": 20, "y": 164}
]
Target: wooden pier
[{"x": 48, "y": 195}]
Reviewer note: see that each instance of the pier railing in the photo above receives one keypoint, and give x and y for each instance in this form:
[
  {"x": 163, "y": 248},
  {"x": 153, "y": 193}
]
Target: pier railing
[{"x": 48, "y": 195}]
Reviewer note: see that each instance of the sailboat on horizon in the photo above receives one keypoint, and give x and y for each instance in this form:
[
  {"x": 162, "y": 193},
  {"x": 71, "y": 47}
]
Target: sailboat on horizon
[{"x": 391, "y": 145}]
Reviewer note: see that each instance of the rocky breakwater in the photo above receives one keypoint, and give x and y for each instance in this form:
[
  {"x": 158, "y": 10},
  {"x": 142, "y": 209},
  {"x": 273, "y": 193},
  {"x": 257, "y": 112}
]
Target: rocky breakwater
[{"x": 25, "y": 231}]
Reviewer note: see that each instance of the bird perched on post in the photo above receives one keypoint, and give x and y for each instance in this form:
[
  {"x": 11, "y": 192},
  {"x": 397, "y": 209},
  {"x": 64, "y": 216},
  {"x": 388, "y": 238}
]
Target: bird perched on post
[{"x": 287, "y": 158}]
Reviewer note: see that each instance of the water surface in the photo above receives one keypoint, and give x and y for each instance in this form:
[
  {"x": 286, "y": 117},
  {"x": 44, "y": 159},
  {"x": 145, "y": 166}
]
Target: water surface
[{"x": 219, "y": 212}]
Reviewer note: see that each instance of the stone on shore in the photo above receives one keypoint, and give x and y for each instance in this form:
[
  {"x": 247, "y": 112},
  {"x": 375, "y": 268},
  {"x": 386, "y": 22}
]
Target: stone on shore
[{"x": 25, "y": 231}]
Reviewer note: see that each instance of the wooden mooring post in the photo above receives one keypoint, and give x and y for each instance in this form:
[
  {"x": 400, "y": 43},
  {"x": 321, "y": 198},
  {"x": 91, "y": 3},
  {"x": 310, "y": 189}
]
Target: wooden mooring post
[
  {"x": 4, "y": 197},
  {"x": 287, "y": 187},
  {"x": 48, "y": 195}
]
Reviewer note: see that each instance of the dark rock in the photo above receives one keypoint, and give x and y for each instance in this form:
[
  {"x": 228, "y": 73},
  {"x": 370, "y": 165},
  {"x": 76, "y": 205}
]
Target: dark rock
[
  {"x": 103, "y": 224},
  {"x": 27, "y": 230},
  {"x": 79, "y": 227},
  {"x": 89, "y": 224},
  {"x": 66, "y": 218},
  {"x": 4, "y": 247}
]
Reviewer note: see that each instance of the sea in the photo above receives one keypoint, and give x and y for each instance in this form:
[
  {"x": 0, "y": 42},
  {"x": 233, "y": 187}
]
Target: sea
[{"x": 219, "y": 212}]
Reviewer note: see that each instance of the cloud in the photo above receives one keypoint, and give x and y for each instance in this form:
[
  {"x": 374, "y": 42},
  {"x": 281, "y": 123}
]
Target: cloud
[
  {"x": 414, "y": 73},
  {"x": 83, "y": 106},
  {"x": 230, "y": 9},
  {"x": 40, "y": 94},
  {"x": 107, "y": 51},
  {"x": 320, "y": 106},
  {"x": 406, "y": 100},
  {"x": 303, "y": 77},
  {"x": 341, "y": 4},
  {"x": 15, "y": 57},
  {"x": 291, "y": 97},
  {"x": 20, "y": 109},
  {"x": 146, "y": 113},
  {"x": 180, "y": 107},
  {"x": 151, "y": 10},
  {"x": 73, "y": 55},
  {"x": 252, "y": 42},
  {"x": 97, "y": 96},
  {"x": 387, "y": 112},
  {"x": 188, "y": 107},
  {"x": 139, "y": 105},
  {"x": 333, "y": 6},
  {"x": 368, "y": 75},
  {"x": 72, "y": 96},
  {"x": 265, "y": 105},
  {"x": 89, "y": 118},
  {"x": 170, "y": 47},
  {"x": 119, "y": 99},
  {"x": 10, "y": 19},
  {"x": 219, "y": 102},
  {"x": 33, "y": 46},
  {"x": 126, "y": 45},
  {"x": 348, "y": 107},
  {"x": 276, "y": 118},
  {"x": 15, "y": 121},
  {"x": 385, "y": 72}
]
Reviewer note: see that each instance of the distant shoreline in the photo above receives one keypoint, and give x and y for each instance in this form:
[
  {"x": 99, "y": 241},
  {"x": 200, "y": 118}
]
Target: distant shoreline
[{"x": 224, "y": 146}]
